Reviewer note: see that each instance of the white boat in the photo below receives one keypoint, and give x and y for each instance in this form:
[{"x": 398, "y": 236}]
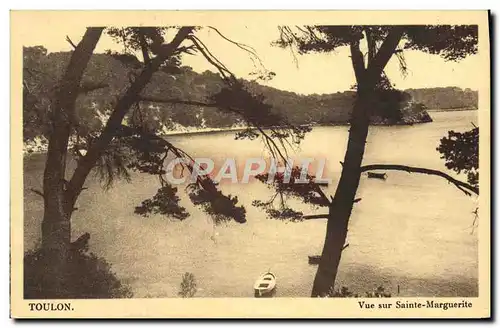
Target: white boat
[{"x": 265, "y": 285}]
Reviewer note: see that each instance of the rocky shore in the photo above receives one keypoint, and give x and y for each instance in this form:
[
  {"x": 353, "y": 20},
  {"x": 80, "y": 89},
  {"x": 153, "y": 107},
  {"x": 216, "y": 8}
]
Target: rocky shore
[{"x": 39, "y": 144}]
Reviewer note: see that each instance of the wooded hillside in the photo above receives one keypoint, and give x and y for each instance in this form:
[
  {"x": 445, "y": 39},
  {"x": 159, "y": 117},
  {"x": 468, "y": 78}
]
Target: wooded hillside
[{"x": 108, "y": 74}]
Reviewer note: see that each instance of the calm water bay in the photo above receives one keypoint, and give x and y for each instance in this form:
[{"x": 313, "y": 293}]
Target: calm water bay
[{"x": 410, "y": 230}]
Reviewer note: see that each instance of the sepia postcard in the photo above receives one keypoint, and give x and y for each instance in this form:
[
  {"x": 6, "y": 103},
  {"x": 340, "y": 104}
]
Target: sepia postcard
[{"x": 250, "y": 164}]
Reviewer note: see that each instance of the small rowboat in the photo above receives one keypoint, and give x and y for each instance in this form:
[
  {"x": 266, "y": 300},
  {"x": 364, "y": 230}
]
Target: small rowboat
[
  {"x": 373, "y": 175},
  {"x": 314, "y": 259},
  {"x": 265, "y": 285}
]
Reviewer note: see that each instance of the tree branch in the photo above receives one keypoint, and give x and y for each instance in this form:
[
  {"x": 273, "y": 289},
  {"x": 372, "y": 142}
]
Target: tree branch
[
  {"x": 64, "y": 111},
  {"x": 242, "y": 46},
  {"x": 314, "y": 217},
  {"x": 357, "y": 60},
  {"x": 70, "y": 42},
  {"x": 144, "y": 46},
  {"x": 226, "y": 74},
  {"x": 38, "y": 192},
  {"x": 123, "y": 105},
  {"x": 376, "y": 66},
  {"x": 322, "y": 195},
  {"x": 371, "y": 45},
  {"x": 464, "y": 187},
  {"x": 268, "y": 140}
]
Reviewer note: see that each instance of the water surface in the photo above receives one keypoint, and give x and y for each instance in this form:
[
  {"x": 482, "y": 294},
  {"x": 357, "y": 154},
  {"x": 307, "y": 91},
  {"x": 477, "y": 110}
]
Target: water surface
[{"x": 411, "y": 230}]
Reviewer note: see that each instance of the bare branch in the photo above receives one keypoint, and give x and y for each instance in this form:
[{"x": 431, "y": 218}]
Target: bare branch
[
  {"x": 254, "y": 56},
  {"x": 38, "y": 192},
  {"x": 144, "y": 46},
  {"x": 226, "y": 74},
  {"x": 357, "y": 60},
  {"x": 287, "y": 38},
  {"x": 120, "y": 110},
  {"x": 322, "y": 194},
  {"x": 371, "y": 44},
  {"x": 464, "y": 187},
  {"x": 231, "y": 80},
  {"x": 70, "y": 42},
  {"x": 403, "y": 67},
  {"x": 314, "y": 217},
  {"x": 385, "y": 52},
  {"x": 268, "y": 140},
  {"x": 81, "y": 243},
  {"x": 474, "y": 222},
  {"x": 242, "y": 46},
  {"x": 273, "y": 147}
]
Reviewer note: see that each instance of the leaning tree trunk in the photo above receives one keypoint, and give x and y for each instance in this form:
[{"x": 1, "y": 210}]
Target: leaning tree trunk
[
  {"x": 56, "y": 224},
  {"x": 61, "y": 195},
  {"x": 341, "y": 206}
]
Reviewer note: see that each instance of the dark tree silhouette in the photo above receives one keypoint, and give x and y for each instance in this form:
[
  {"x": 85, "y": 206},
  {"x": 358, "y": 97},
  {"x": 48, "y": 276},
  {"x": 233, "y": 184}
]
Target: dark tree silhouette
[
  {"x": 114, "y": 148},
  {"x": 382, "y": 43},
  {"x": 460, "y": 150},
  {"x": 58, "y": 198}
]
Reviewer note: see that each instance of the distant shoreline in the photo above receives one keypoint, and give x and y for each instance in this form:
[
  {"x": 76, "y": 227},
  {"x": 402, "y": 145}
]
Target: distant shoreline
[
  {"x": 239, "y": 128},
  {"x": 458, "y": 109},
  {"x": 197, "y": 131},
  {"x": 201, "y": 131},
  {"x": 236, "y": 129}
]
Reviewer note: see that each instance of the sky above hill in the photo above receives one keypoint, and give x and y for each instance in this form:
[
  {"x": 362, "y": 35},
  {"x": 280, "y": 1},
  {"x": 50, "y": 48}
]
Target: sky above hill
[{"x": 311, "y": 73}]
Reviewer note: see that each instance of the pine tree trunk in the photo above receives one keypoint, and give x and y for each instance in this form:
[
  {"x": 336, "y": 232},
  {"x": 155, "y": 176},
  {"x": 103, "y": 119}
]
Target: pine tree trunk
[
  {"x": 58, "y": 201},
  {"x": 341, "y": 206},
  {"x": 367, "y": 76},
  {"x": 56, "y": 227},
  {"x": 61, "y": 195}
]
